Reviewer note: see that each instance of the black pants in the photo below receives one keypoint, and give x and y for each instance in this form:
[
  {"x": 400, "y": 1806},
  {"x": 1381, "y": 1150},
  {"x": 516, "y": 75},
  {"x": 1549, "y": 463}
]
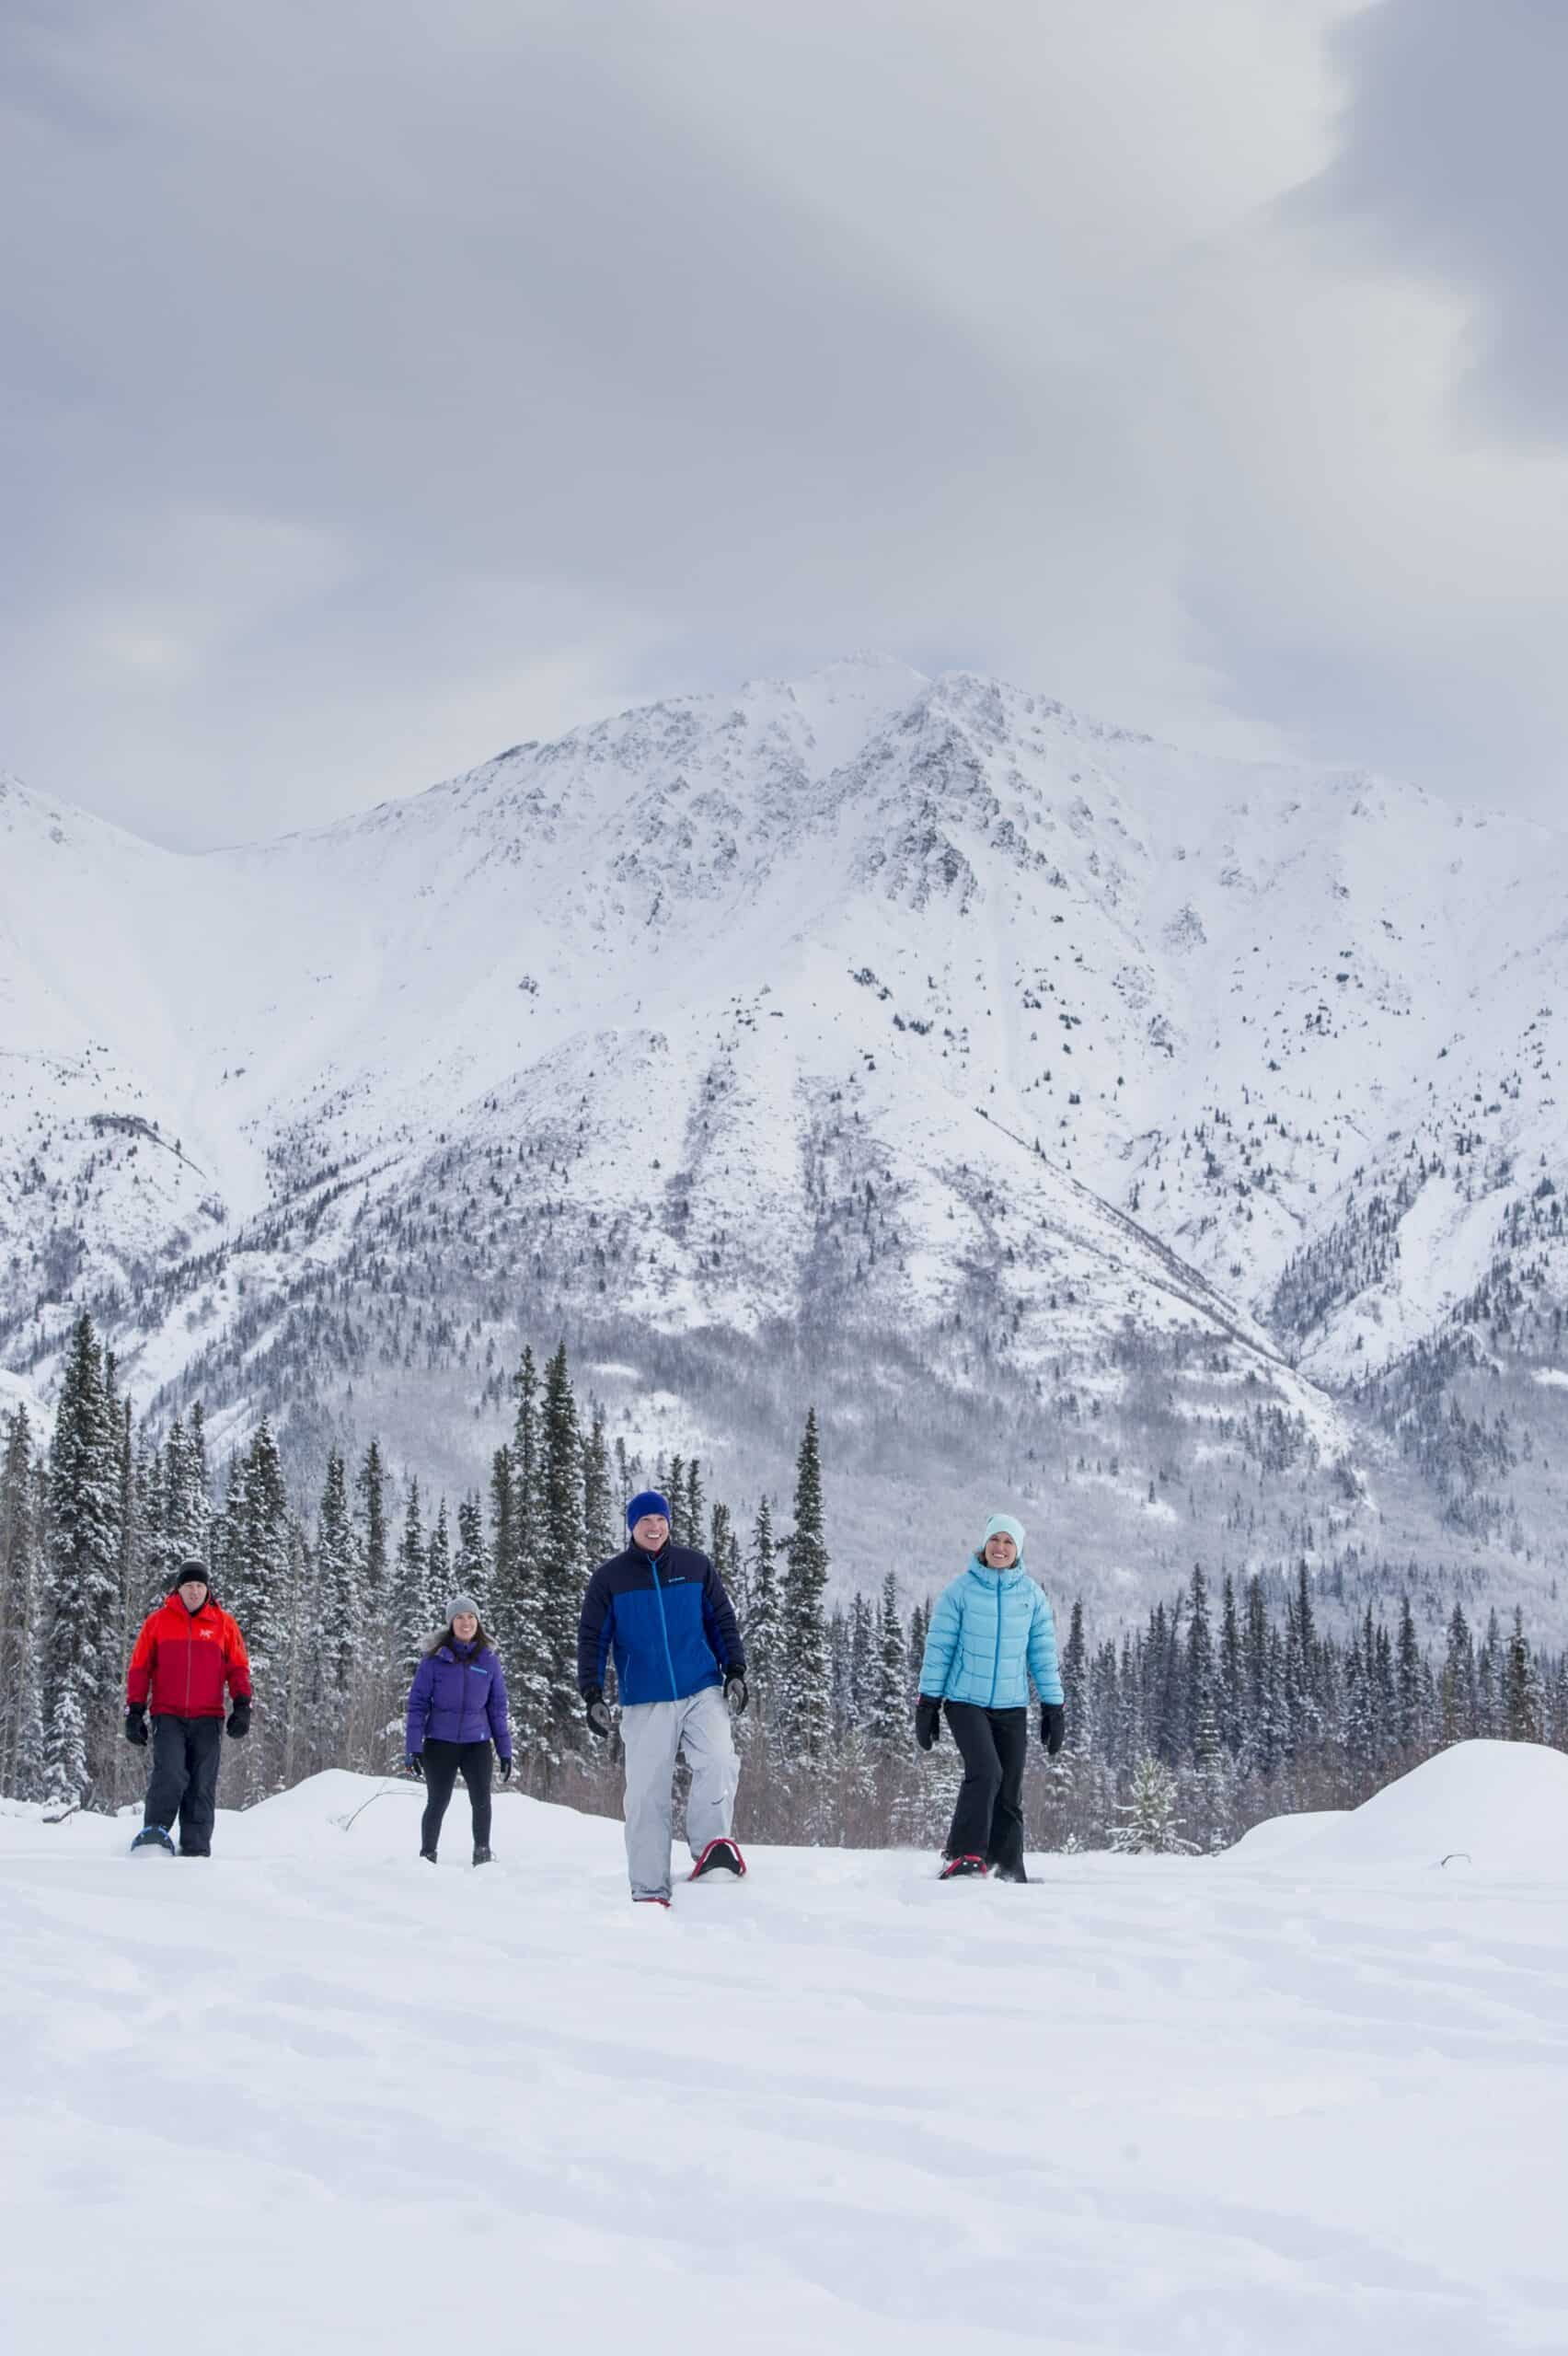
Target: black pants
[
  {"x": 185, "y": 1780},
  {"x": 441, "y": 1763},
  {"x": 988, "y": 1820}
]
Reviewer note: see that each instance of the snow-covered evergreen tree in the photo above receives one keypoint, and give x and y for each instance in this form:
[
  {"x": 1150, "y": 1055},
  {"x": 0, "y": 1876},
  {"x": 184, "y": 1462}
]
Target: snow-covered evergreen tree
[
  {"x": 373, "y": 1558},
  {"x": 471, "y": 1563},
  {"x": 439, "y": 1583},
  {"x": 763, "y": 1631},
  {"x": 21, "y": 1682},
  {"x": 1150, "y": 1818},
  {"x": 338, "y": 1571},
  {"x": 600, "y": 1532},
  {"x": 260, "y": 1571},
  {"x": 805, "y": 1699},
  {"x": 562, "y": 1574},
  {"x": 411, "y": 1610},
  {"x": 80, "y": 1674}
]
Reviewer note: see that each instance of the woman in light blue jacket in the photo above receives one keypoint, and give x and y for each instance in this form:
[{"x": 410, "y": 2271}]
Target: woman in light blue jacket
[{"x": 992, "y": 1630}]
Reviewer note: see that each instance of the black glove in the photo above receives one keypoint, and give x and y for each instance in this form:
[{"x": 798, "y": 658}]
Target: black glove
[
  {"x": 136, "y": 1724},
  {"x": 1052, "y": 1727},
  {"x": 927, "y": 1721},
  {"x": 505, "y": 1767},
  {"x": 735, "y": 1691},
  {"x": 415, "y": 1764},
  {"x": 240, "y": 1721},
  {"x": 597, "y": 1710}
]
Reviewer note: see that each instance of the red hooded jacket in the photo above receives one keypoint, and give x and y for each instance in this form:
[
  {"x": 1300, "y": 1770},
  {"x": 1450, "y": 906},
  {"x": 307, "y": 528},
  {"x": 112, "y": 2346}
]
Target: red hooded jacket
[{"x": 183, "y": 1659}]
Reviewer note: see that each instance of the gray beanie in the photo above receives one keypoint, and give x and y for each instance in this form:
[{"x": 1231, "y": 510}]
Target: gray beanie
[{"x": 462, "y": 1604}]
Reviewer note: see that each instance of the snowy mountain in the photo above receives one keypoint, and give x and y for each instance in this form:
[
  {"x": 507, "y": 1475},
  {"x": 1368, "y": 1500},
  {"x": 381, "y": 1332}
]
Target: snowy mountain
[{"x": 1170, "y": 1141}]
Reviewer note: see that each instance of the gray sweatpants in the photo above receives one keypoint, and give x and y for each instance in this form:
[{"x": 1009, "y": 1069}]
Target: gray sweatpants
[{"x": 654, "y": 1734}]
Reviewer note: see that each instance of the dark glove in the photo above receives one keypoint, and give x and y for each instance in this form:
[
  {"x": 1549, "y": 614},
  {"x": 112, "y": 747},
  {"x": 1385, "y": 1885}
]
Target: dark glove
[
  {"x": 240, "y": 1721},
  {"x": 415, "y": 1764},
  {"x": 597, "y": 1710},
  {"x": 927, "y": 1721},
  {"x": 505, "y": 1767},
  {"x": 136, "y": 1724},
  {"x": 1052, "y": 1727},
  {"x": 735, "y": 1691}
]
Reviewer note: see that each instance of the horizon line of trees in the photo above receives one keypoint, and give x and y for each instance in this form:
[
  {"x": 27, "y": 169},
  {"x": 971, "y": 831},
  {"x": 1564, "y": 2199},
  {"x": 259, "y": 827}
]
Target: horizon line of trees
[{"x": 1226, "y": 1707}]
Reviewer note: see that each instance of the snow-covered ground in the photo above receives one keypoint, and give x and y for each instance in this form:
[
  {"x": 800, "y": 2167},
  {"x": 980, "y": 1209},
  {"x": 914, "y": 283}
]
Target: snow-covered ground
[{"x": 314, "y": 2096}]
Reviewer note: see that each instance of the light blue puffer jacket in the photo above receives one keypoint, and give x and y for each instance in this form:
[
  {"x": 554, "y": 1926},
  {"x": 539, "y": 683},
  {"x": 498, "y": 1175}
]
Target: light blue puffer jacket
[{"x": 991, "y": 1631}]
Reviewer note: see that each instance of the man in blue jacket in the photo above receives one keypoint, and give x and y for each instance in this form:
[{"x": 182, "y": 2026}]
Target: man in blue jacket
[{"x": 663, "y": 1614}]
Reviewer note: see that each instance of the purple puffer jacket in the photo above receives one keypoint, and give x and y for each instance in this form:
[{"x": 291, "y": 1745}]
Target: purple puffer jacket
[{"x": 459, "y": 1695}]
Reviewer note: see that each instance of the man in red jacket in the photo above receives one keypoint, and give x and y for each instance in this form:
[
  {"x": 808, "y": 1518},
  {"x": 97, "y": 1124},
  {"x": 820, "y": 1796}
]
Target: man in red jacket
[{"x": 188, "y": 1651}]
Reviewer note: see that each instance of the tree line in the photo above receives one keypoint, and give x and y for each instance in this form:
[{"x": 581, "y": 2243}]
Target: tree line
[{"x": 1229, "y": 1705}]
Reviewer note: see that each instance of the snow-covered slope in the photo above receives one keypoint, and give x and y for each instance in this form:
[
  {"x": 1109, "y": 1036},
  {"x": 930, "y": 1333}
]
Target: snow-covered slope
[
  {"x": 313, "y": 2096},
  {"x": 869, "y": 1012}
]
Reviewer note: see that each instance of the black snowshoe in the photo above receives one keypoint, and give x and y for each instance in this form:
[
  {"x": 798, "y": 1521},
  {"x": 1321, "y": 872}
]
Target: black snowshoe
[{"x": 720, "y": 1856}]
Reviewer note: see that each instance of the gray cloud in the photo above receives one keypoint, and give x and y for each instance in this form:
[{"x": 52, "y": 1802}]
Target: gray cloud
[
  {"x": 1454, "y": 161},
  {"x": 385, "y": 384}
]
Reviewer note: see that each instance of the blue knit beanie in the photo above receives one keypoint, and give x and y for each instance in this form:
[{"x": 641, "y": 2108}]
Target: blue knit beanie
[
  {"x": 645, "y": 1501},
  {"x": 1002, "y": 1525}
]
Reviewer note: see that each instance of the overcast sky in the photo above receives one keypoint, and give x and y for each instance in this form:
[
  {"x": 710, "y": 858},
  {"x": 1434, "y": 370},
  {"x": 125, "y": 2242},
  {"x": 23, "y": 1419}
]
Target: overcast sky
[{"x": 383, "y": 381}]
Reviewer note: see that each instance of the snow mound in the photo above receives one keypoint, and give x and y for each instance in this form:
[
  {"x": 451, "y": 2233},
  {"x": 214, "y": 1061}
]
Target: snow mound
[
  {"x": 1280, "y": 1836},
  {"x": 1483, "y": 1804}
]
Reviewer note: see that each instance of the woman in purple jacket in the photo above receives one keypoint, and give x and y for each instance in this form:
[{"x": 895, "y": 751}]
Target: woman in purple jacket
[{"x": 456, "y": 1708}]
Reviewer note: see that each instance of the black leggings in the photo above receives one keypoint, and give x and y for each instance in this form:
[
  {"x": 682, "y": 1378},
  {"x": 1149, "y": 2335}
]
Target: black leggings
[
  {"x": 442, "y": 1761},
  {"x": 989, "y": 1821}
]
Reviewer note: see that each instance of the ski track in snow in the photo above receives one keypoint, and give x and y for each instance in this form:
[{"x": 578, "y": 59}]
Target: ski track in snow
[{"x": 314, "y": 2096}]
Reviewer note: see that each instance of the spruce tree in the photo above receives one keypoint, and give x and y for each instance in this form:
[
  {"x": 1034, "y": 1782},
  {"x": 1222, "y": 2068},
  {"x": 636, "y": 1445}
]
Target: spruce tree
[
  {"x": 1457, "y": 1688},
  {"x": 806, "y": 1698},
  {"x": 470, "y": 1565},
  {"x": 764, "y": 1635},
  {"x": 1409, "y": 1721},
  {"x": 411, "y": 1586},
  {"x": 1149, "y": 1819},
  {"x": 260, "y": 1573},
  {"x": 80, "y": 1675},
  {"x": 1521, "y": 1693},
  {"x": 186, "y": 1517},
  {"x": 1233, "y": 1675},
  {"x": 519, "y": 1603},
  {"x": 600, "y": 1538},
  {"x": 19, "y": 1539},
  {"x": 888, "y": 1718},
  {"x": 562, "y": 1576},
  {"x": 695, "y": 1503},
  {"x": 375, "y": 1562},
  {"x": 439, "y": 1583},
  {"x": 338, "y": 1570}
]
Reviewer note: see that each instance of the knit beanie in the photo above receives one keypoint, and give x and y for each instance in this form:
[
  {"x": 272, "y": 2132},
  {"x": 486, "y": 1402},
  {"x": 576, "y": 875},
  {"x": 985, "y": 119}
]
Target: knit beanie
[
  {"x": 1002, "y": 1525},
  {"x": 462, "y": 1604},
  {"x": 191, "y": 1568},
  {"x": 645, "y": 1501}
]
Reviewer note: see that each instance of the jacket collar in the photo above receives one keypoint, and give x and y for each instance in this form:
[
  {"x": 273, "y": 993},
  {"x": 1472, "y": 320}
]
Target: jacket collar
[{"x": 982, "y": 1570}]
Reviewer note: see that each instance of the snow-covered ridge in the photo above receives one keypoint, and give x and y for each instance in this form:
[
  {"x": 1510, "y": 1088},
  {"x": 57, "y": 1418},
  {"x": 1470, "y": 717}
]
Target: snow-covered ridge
[{"x": 924, "y": 1003}]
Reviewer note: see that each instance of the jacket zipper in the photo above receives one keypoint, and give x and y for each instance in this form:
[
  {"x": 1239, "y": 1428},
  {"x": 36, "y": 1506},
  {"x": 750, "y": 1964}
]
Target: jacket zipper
[
  {"x": 996, "y": 1662},
  {"x": 663, "y": 1628}
]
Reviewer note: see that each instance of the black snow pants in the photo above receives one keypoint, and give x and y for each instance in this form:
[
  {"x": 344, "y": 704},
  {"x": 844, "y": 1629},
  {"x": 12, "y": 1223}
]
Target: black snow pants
[
  {"x": 988, "y": 1820},
  {"x": 184, "y": 1782},
  {"x": 441, "y": 1763}
]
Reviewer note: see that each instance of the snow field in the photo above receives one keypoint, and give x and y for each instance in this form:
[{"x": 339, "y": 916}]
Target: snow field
[{"x": 313, "y": 2096}]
